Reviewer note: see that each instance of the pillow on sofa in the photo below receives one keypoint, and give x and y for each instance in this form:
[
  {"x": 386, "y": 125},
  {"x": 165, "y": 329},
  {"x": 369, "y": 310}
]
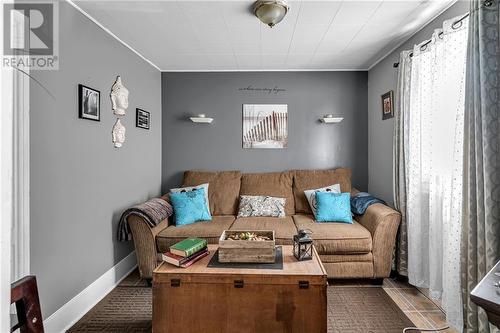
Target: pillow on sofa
[
  {"x": 190, "y": 207},
  {"x": 273, "y": 184},
  {"x": 224, "y": 189},
  {"x": 311, "y": 195},
  {"x": 190, "y": 188},
  {"x": 306, "y": 179},
  {"x": 261, "y": 205},
  {"x": 333, "y": 207}
]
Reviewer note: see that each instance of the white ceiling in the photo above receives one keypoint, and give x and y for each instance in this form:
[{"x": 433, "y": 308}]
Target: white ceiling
[{"x": 224, "y": 35}]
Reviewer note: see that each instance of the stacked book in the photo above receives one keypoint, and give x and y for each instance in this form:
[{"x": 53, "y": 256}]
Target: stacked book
[{"x": 186, "y": 252}]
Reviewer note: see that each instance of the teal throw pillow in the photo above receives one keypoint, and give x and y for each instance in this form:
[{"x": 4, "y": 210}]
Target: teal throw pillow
[
  {"x": 333, "y": 207},
  {"x": 190, "y": 207}
]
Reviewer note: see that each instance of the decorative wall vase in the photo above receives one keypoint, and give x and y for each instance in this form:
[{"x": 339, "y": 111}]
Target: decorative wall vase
[
  {"x": 119, "y": 97},
  {"x": 118, "y": 134}
]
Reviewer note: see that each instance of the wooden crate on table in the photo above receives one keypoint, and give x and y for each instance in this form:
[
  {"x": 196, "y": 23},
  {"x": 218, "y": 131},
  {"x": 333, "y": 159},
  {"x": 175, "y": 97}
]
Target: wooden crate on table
[{"x": 247, "y": 251}]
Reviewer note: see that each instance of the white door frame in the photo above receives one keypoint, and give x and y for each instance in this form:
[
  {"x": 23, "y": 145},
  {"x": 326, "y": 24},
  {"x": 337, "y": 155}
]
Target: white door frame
[
  {"x": 6, "y": 192},
  {"x": 21, "y": 172},
  {"x": 14, "y": 182},
  {"x": 6, "y": 188}
]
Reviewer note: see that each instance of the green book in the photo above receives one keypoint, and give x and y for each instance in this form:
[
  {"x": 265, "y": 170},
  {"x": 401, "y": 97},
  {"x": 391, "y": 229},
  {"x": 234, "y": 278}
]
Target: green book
[{"x": 188, "y": 246}]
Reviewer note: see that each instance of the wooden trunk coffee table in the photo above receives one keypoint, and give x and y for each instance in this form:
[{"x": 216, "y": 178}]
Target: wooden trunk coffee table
[{"x": 204, "y": 299}]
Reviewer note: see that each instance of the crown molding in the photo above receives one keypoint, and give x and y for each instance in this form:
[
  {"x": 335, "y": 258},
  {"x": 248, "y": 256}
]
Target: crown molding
[
  {"x": 87, "y": 15},
  {"x": 265, "y": 70},
  {"x": 413, "y": 34}
]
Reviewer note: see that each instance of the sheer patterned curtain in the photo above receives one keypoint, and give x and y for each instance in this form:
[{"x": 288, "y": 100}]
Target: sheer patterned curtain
[
  {"x": 481, "y": 218},
  {"x": 400, "y": 156},
  {"x": 434, "y": 165}
]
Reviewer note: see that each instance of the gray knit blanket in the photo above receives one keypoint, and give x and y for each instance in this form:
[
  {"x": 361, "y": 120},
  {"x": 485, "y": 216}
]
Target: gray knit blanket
[{"x": 153, "y": 211}]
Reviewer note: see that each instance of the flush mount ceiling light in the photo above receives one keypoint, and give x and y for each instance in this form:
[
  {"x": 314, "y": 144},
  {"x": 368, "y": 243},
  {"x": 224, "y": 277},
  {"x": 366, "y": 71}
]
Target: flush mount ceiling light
[{"x": 270, "y": 12}]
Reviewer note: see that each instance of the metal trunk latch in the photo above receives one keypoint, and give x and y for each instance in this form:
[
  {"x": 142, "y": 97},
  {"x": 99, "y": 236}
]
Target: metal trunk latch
[
  {"x": 303, "y": 284},
  {"x": 238, "y": 283},
  {"x": 175, "y": 282}
]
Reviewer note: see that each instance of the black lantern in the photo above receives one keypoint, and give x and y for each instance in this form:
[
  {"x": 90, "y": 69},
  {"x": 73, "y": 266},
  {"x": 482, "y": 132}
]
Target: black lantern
[{"x": 303, "y": 245}]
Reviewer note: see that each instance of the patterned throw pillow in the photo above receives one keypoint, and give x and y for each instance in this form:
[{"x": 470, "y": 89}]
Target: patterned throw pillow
[
  {"x": 333, "y": 207},
  {"x": 190, "y": 207},
  {"x": 261, "y": 205},
  {"x": 190, "y": 188},
  {"x": 311, "y": 195}
]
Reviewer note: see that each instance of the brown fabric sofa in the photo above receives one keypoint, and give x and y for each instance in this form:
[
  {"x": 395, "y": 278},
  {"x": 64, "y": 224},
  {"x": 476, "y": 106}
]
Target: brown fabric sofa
[{"x": 359, "y": 250}]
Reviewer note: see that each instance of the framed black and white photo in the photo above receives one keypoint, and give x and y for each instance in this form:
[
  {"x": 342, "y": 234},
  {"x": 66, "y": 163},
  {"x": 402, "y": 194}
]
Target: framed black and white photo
[
  {"x": 89, "y": 103},
  {"x": 142, "y": 118},
  {"x": 388, "y": 105}
]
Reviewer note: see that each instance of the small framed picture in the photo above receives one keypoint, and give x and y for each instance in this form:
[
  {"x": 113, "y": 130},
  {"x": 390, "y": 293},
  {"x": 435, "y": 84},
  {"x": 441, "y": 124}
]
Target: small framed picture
[
  {"x": 142, "y": 118},
  {"x": 388, "y": 105},
  {"x": 89, "y": 103}
]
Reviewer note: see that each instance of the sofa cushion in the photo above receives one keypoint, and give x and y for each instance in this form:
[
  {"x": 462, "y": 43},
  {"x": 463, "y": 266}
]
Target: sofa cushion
[
  {"x": 311, "y": 195},
  {"x": 274, "y": 184},
  {"x": 210, "y": 231},
  {"x": 223, "y": 189},
  {"x": 190, "y": 207},
  {"x": 336, "y": 238},
  {"x": 283, "y": 227},
  {"x": 261, "y": 205},
  {"x": 190, "y": 188},
  {"x": 334, "y": 207},
  {"x": 311, "y": 179}
]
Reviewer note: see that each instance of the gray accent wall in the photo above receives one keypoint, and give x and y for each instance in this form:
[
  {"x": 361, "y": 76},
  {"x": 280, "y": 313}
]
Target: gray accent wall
[
  {"x": 381, "y": 79},
  {"x": 218, "y": 146},
  {"x": 80, "y": 183}
]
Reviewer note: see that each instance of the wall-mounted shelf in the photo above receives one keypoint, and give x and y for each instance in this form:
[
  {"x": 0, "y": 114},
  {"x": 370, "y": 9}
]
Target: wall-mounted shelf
[
  {"x": 329, "y": 119},
  {"x": 201, "y": 119}
]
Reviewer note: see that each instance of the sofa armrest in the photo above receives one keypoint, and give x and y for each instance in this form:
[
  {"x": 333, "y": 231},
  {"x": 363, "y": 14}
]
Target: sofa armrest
[
  {"x": 382, "y": 221},
  {"x": 145, "y": 243}
]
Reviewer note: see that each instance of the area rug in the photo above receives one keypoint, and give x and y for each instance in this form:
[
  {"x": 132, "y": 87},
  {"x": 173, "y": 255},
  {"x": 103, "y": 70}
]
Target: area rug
[
  {"x": 350, "y": 309},
  {"x": 364, "y": 309}
]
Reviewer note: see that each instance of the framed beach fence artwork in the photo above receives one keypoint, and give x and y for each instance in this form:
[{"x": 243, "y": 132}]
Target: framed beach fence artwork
[{"x": 265, "y": 126}]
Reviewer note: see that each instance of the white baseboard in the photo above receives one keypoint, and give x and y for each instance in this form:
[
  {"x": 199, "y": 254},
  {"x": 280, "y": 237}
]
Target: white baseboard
[{"x": 68, "y": 314}]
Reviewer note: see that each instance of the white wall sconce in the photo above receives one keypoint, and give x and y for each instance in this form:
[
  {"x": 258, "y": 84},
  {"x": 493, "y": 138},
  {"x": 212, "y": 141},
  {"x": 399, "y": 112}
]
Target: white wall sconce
[
  {"x": 201, "y": 119},
  {"x": 330, "y": 119}
]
